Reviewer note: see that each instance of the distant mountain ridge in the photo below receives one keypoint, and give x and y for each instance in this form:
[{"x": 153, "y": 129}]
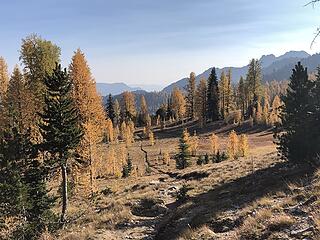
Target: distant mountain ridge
[
  {"x": 154, "y": 99},
  {"x": 114, "y": 88},
  {"x": 273, "y": 68}
]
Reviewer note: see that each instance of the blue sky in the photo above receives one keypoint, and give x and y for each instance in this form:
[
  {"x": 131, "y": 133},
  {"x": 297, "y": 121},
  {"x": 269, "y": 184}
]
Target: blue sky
[{"x": 159, "y": 41}]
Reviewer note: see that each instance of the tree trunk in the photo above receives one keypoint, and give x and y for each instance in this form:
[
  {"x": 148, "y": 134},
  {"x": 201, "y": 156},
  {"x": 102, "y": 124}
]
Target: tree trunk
[{"x": 64, "y": 193}]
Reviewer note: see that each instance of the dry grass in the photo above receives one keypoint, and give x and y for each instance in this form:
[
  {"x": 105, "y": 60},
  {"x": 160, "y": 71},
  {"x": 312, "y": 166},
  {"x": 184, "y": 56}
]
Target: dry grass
[
  {"x": 264, "y": 213},
  {"x": 263, "y": 221},
  {"x": 279, "y": 222},
  {"x": 204, "y": 233}
]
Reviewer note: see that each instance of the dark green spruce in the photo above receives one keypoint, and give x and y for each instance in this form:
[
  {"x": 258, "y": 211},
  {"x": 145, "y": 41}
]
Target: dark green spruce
[
  {"x": 23, "y": 190},
  {"x": 59, "y": 126},
  {"x": 213, "y": 96},
  {"x": 295, "y": 135},
  {"x": 110, "y": 108},
  {"x": 183, "y": 157}
]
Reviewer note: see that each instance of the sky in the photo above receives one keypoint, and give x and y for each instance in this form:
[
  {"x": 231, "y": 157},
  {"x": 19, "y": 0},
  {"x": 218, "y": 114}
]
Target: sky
[{"x": 157, "y": 42}]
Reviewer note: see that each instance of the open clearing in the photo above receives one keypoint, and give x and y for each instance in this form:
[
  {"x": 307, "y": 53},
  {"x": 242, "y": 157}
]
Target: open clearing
[{"x": 257, "y": 197}]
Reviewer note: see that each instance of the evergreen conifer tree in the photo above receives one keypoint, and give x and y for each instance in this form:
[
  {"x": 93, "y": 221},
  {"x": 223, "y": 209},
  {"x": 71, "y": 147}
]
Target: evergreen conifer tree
[
  {"x": 315, "y": 143},
  {"x": 296, "y": 131},
  {"x": 183, "y": 157},
  {"x": 213, "y": 96},
  {"x": 110, "y": 109},
  {"x": 242, "y": 96},
  {"x": 23, "y": 190},
  {"x": 59, "y": 126}
]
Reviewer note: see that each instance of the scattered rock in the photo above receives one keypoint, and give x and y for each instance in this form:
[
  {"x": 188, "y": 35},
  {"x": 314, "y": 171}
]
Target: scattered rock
[
  {"x": 154, "y": 182},
  {"x": 172, "y": 191},
  {"x": 149, "y": 208},
  {"x": 123, "y": 225},
  {"x": 162, "y": 179},
  {"x": 296, "y": 211},
  {"x": 225, "y": 224},
  {"x": 138, "y": 187},
  {"x": 305, "y": 232},
  {"x": 310, "y": 200}
]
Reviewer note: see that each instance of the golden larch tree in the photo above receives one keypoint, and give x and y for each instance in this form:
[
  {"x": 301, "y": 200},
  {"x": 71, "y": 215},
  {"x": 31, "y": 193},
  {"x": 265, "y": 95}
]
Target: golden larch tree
[
  {"x": 109, "y": 131},
  {"x": 214, "y": 143},
  {"x": 243, "y": 146},
  {"x": 265, "y": 112},
  {"x": 201, "y": 102},
  {"x": 194, "y": 144},
  {"x": 228, "y": 92},
  {"x": 151, "y": 138},
  {"x": 123, "y": 131},
  {"x": 91, "y": 111},
  {"x": 258, "y": 114},
  {"x": 38, "y": 57},
  {"x": 4, "y": 78},
  {"x": 143, "y": 110},
  {"x": 233, "y": 145},
  {"x": 178, "y": 103},
  {"x": 128, "y": 106},
  {"x": 166, "y": 158},
  {"x": 276, "y": 104},
  {"x": 116, "y": 133},
  {"x": 128, "y": 132},
  {"x": 117, "y": 112},
  {"x": 191, "y": 96},
  {"x": 16, "y": 110},
  {"x": 223, "y": 89}
]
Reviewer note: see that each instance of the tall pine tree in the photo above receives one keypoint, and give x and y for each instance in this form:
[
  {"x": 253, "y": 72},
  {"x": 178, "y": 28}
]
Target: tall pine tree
[
  {"x": 23, "y": 191},
  {"x": 59, "y": 126},
  {"x": 296, "y": 133},
  {"x": 213, "y": 96},
  {"x": 110, "y": 109},
  {"x": 242, "y": 96}
]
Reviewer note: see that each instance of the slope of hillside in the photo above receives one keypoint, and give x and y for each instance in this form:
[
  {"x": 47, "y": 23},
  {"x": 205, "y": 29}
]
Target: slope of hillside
[
  {"x": 256, "y": 197},
  {"x": 273, "y": 68},
  {"x": 114, "y": 88},
  {"x": 153, "y": 99}
]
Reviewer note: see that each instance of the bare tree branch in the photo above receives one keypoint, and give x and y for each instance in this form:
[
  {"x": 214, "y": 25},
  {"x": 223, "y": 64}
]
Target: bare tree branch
[
  {"x": 317, "y": 34},
  {"x": 312, "y": 3}
]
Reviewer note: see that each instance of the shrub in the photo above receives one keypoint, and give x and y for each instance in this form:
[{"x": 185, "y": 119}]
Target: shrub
[
  {"x": 206, "y": 159},
  {"x": 182, "y": 194},
  {"x": 126, "y": 170},
  {"x": 219, "y": 157},
  {"x": 200, "y": 160}
]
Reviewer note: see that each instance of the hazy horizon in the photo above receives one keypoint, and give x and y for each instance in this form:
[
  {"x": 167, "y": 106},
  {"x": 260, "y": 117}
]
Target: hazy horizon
[{"x": 156, "y": 43}]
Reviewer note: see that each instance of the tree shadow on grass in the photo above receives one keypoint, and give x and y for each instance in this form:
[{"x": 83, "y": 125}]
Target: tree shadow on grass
[{"x": 230, "y": 196}]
